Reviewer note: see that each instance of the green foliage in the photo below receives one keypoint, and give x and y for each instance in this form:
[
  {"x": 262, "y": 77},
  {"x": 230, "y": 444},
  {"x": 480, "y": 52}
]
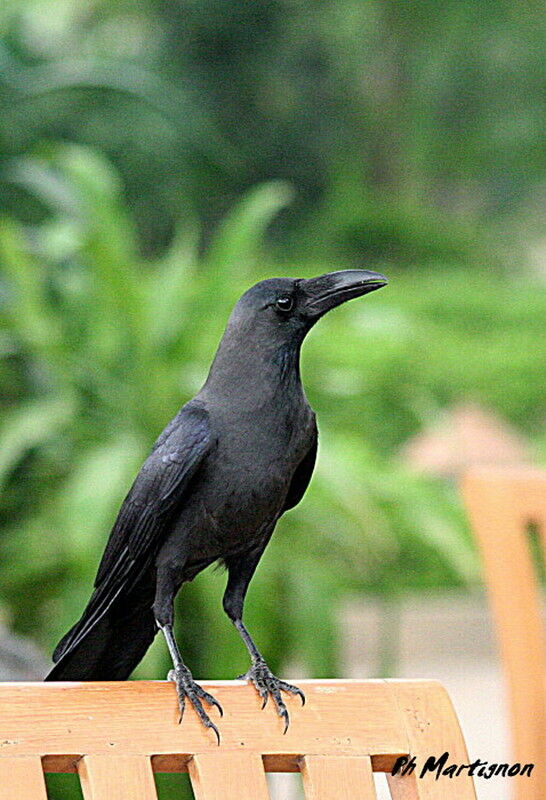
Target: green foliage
[
  {"x": 407, "y": 130},
  {"x": 110, "y": 346},
  {"x": 431, "y": 339}
]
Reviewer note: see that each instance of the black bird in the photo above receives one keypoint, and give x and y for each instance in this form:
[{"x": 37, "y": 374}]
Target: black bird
[{"x": 230, "y": 463}]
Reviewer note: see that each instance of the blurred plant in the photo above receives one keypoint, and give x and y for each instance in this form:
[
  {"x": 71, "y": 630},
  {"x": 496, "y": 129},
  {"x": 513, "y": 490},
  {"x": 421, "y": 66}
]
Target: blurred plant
[
  {"x": 105, "y": 348},
  {"x": 69, "y": 82},
  {"x": 411, "y": 132}
]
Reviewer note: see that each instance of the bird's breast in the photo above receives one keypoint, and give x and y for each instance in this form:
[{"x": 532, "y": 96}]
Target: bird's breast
[
  {"x": 242, "y": 496},
  {"x": 241, "y": 488}
]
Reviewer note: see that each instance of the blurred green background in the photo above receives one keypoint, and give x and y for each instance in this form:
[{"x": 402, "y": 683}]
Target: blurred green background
[{"x": 156, "y": 158}]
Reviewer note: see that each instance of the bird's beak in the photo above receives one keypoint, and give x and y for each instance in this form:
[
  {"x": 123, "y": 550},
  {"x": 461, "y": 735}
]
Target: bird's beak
[{"x": 325, "y": 292}]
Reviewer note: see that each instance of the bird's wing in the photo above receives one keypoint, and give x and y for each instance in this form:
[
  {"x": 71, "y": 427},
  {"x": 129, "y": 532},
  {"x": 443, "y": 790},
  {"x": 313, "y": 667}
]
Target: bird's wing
[
  {"x": 145, "y": 515},
  {"x": 302, "y": 475},
  {"x": 157, "y": 491}
]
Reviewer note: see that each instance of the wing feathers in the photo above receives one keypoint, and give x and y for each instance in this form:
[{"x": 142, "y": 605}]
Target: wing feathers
[{"x": 143, "y": 519}]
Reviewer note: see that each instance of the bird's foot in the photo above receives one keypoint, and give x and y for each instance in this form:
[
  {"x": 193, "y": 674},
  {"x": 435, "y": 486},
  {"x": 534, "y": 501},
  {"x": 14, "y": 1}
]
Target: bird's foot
[
  {"x": 268, "y": 686},
  {"x": 187, "y": 688}
]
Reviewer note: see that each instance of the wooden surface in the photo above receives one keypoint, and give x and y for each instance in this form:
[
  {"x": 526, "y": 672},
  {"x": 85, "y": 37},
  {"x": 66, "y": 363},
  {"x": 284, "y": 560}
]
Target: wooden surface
[
  {"x": 22, "y": 779},
  {"x": 501, "y": 503},
  {"x": 337, "y": 777},
  {"x": 115, "y": 734},
  {"x": 120, "y": 777},
  {"x": 220, "y": 775}
]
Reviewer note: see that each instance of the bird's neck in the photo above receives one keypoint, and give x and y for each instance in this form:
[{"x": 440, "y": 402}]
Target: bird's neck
[{"x": 253, "y": 377}]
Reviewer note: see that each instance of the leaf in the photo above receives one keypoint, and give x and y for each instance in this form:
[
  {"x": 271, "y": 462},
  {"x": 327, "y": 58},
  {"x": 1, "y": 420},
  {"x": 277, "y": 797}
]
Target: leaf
[
  {"x": 87, "y": 502},
  {"x": 172, "y": 285},
  {"x": 235, "y": 246},
  {"x": 30, "y": 311},
  {"x": 31, "y": 425}
]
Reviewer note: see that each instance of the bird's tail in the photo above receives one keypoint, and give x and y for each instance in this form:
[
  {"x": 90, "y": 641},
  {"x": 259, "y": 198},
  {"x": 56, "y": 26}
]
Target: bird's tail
[{"x": 111, "y": 648}]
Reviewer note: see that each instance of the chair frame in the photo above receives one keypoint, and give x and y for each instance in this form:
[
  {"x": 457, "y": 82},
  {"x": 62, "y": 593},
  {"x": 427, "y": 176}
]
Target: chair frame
[
  {"x": 501, "y": 503},
  {"x": 115, "y": 735}
]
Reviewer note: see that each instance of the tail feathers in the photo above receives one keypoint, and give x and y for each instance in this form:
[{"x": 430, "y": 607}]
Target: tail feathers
[
  {"x": 109, "y": 650},
  {"x": 63, "y": 644}
]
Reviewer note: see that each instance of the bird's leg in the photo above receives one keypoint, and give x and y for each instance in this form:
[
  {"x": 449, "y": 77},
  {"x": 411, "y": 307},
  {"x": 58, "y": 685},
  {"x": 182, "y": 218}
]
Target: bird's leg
[
  {"x": 263, "y": 679},
  {"x": 186, "y": 688},
  {"x": 267, "y": 684}
]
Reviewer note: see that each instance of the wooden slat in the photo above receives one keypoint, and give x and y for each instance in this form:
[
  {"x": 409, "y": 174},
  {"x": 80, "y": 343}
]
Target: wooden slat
[
  {"x": 116, "y": 777},
  {"x": 228, "y": 776},
  {"x": 340, "y": 717},
  {"x": 500, "y": 505},
  {"x": 22, "y": 778},
  {"x": 337, "y": 778},
  {"x": 432, "y": 729}
]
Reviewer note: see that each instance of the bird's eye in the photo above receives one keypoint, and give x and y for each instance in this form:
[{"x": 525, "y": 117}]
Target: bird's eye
[{"x": 285, "y": 303}]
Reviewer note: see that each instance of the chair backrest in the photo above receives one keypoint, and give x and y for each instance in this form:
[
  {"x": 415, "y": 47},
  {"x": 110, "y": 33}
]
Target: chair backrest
[
  {"x": 115, "y": 735},
  {"x": 501, "y": 504}
]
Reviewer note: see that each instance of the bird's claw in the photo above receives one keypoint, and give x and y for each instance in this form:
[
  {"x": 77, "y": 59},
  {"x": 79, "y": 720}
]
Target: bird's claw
[
  {"x": 187, "y": 688},
  {"x": 267, "y": 685}
]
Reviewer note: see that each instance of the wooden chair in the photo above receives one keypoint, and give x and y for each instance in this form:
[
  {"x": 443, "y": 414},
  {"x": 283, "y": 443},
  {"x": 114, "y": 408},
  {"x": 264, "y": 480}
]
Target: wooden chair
[
  {"x": 115, "y": 735},
  {"x": 501, "y": 503}
]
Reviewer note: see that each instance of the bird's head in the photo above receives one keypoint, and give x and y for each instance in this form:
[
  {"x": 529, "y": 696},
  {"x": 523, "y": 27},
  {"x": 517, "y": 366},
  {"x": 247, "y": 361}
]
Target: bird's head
[
  {"x": 268, "y": 324},
  {"x": 286, "y": 308}
]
